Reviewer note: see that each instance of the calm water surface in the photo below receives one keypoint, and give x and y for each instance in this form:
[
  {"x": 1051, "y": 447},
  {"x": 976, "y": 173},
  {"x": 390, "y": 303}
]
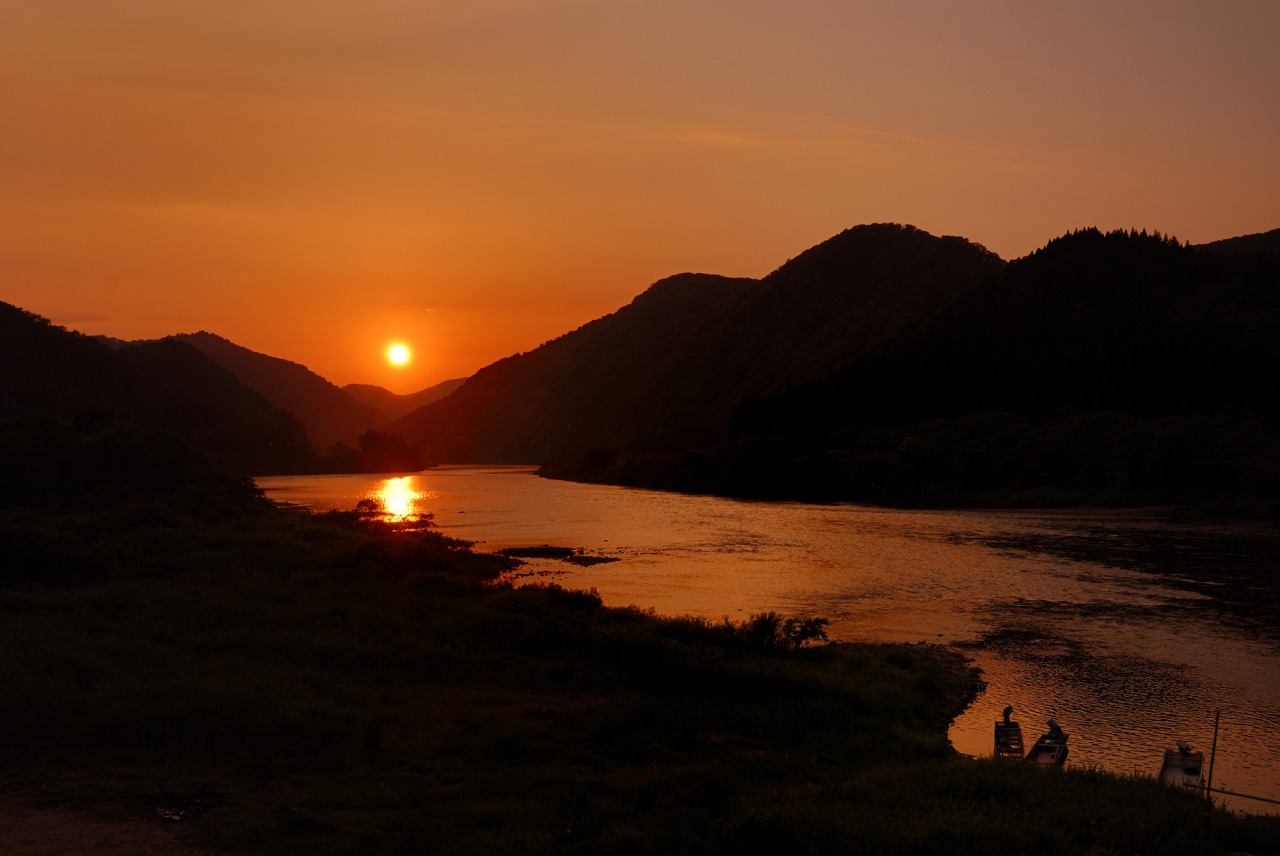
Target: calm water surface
[{"x": 1130, "y": 631}]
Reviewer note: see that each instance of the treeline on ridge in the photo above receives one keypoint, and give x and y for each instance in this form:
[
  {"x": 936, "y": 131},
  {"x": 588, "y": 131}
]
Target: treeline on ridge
[{"x": 1112, "y": 369}]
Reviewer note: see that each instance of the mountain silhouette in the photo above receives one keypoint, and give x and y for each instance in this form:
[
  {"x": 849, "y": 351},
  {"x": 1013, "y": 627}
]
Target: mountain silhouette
[
  {"x": 586, "y": 388},
  {"x": 893, "y": 366},
  {"x": 168, "y": 385},
  {"x": 394, "y": 405},
  {"x": 1125, "y": 322},
  {"x": 667, "y": 371},
  {"x": 1118, "y": 368},
  {"x": 1263, "y": 242},
  {"x": 329, "y": 413},
  {"x": 884, "y": 364}
]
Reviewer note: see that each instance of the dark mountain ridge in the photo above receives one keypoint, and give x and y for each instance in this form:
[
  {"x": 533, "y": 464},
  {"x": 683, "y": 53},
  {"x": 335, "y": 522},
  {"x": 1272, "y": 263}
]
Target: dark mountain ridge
[
  {"x": 579, "y": 390},
  {"x": 1262, "y": 242},
  {"x": 394, "y": 405},
  {"x": 47, "y": 371},
  {"x": 1119, "y": 368},
  {"x": 885, "y": 364},
  {"x": 1124, "y": 322},
  {"x": 667, "y": 371},
  {"x": 330, "y": 414}
]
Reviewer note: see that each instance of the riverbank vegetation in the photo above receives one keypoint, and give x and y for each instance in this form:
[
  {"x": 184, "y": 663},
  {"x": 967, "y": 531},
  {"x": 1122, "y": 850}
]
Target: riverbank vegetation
[
  {"x": 263, "y": 681},
  {"x": 1215, "y": 466}
]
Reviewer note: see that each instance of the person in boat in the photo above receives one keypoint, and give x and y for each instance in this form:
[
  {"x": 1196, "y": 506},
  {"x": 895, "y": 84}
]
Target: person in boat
[
  {"x": 1008, "y": 712},
  {"x": 1056, "y": 734}
]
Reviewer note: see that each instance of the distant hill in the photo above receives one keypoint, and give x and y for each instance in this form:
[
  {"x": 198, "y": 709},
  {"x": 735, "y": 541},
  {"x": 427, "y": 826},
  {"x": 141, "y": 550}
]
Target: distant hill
[
  {"x": 112, "y": 342},
  {"x": 394, "y": 405},
  {"x": 329, "y": 414},
  {"x": 1263, "y": 242},
  {"x": 46, "y": 370},
  {"x": 579, "y": 390},
  {"x": 668, "y": 370}
]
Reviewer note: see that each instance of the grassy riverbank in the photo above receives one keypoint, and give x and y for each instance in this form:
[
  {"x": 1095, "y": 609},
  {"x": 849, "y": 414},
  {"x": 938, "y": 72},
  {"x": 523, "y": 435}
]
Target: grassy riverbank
[{"x": 262, "y": 682}]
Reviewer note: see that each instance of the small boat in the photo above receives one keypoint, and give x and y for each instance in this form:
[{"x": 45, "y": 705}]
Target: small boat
[
  {"x": 1051, "y": 749},
  {"x": 1008, "y": 736},
  {"x": 1182, "y": 767}
]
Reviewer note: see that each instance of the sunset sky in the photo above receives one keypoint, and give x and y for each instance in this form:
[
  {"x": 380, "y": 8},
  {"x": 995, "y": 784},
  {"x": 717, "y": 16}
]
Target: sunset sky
[{"x": 315, "y": 179}]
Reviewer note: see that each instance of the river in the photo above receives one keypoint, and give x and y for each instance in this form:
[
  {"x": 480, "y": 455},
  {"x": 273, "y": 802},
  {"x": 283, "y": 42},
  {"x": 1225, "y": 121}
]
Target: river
[{"x": 1130, "y": 629}]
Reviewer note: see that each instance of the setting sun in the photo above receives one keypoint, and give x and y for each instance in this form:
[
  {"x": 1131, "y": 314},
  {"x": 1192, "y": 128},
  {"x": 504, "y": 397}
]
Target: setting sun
[{"x": 398, "y": 355}]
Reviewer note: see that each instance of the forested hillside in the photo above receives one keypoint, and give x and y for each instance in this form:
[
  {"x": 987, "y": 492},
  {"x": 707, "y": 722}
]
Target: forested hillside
[
  {"x": 328, "y": 412},
  {"x": 667, "y": 371},
  {"x": 1119, "y": 368},
  {"x": 49, "y": 372}
]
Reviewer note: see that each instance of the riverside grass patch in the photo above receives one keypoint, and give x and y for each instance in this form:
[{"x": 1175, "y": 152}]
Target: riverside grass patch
[{"x": 268, "y": 682}]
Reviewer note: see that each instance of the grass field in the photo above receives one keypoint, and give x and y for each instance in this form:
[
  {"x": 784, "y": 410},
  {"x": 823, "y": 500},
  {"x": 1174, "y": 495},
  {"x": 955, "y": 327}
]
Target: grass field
[{"x": 253, "y": 681}]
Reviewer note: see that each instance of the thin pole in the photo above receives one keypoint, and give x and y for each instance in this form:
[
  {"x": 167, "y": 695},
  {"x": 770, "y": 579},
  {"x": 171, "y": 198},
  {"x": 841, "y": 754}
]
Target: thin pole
[
  {"x": 1246, "y": 796},
  {"x": 1213, "y": 753}
]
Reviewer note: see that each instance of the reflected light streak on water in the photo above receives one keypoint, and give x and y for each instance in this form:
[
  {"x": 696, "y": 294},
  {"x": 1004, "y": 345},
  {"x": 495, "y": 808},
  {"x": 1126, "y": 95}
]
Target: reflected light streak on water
[
  {"x": 398, "y": 497},
  {"x": 1125, "y": 660}
]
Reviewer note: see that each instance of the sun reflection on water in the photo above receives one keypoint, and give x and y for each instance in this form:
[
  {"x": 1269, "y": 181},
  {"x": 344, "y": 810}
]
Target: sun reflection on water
[{"x": 399, "y": 497}]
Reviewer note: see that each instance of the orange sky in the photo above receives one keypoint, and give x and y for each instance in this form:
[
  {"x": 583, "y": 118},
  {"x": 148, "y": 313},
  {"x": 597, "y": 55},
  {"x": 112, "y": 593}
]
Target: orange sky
[{"x": 313, "y": 179}]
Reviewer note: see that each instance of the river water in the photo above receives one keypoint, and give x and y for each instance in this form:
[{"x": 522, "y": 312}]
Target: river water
[{"x": 1129, "y": 629}]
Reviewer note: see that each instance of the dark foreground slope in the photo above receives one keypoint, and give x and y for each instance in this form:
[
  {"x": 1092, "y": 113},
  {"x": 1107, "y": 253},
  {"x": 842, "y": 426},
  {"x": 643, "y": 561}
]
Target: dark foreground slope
[
  {"x": 223, "y": 677},
  {"x": 1114, "y": 369},
  {"x": 46, "y": 370},
  {"x": 667, "y": 371}
]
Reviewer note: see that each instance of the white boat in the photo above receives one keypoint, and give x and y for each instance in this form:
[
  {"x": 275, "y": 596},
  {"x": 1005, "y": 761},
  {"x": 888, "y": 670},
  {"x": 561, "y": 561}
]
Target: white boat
[{"x": 1183, "y": 767}]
